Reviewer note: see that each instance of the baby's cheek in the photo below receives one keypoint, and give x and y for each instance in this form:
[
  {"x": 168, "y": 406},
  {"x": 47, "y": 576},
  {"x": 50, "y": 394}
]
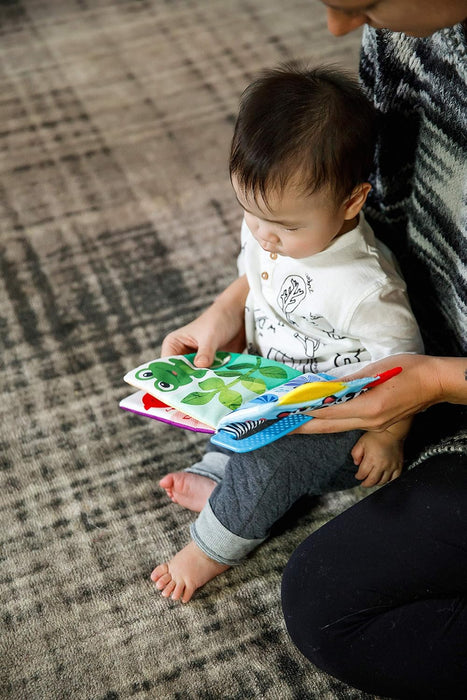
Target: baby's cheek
[{"x": 251, "y": 222}]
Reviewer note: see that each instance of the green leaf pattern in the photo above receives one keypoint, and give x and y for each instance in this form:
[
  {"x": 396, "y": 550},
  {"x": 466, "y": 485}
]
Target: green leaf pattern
[
  {"x": 231, "y": 399},
  {"x": 273, "y": 372},
  {"x": 256, "y": 385},
  {"x": 199, "y": 398},
  {"x": 216, "y": 386},
  {"x": 211, "y": 383}
]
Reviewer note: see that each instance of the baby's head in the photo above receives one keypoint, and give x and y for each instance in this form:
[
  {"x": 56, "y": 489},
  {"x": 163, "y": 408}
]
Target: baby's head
[{"x": 300, "y": 157}]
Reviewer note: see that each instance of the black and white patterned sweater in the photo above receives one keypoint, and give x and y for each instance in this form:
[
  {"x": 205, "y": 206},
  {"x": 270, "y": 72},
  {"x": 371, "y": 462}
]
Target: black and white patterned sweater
[{"x": 418, "y": 205}]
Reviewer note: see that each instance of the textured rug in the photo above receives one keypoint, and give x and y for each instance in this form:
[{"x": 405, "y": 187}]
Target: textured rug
[{"x": 118, "y": 224}]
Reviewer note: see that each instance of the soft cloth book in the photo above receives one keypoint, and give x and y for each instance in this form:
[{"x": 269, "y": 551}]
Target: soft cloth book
[
  {"x": 173, "y": 390},
  {"x": 245, "y": 401}
]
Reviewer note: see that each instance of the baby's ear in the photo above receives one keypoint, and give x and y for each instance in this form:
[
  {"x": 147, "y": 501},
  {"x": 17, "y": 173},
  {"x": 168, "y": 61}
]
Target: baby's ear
[{"x": 356, "y": 200}]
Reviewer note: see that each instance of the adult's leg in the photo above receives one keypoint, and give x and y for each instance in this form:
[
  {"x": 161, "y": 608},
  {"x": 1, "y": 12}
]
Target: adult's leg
[
  {"x": 378, "y": 596},
  {"x": 259, "y": 487}
]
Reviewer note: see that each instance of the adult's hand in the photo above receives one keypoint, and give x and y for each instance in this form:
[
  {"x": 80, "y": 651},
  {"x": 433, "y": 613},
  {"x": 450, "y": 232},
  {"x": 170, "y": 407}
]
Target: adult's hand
[
  {"x": 220, "y": 327},
  {"x": 424, "y": 381}
]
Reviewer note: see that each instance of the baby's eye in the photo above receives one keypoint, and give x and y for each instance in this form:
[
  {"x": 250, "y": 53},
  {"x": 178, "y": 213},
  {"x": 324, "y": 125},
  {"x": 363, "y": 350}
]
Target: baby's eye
[{"x": 291, "y": 229}]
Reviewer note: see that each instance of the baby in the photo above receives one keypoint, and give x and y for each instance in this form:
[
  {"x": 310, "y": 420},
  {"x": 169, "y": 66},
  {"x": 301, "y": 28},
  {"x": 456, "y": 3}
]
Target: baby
[{"x": 316, "y": 291}]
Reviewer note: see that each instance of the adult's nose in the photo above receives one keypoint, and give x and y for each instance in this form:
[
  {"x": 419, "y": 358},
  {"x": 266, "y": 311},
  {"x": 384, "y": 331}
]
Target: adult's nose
[{"x": 339, "y": 23}]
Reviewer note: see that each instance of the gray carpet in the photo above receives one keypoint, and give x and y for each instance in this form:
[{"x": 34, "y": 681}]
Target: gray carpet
[{"x": 117, "y": 225}]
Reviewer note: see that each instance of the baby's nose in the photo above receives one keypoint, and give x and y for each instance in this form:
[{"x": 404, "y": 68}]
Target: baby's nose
[{"x": 267, "y": 233}]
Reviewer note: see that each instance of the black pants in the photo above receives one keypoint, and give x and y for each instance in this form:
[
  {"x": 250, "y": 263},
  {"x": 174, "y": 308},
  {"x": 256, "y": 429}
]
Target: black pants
[{"x": 378, "y": 596}]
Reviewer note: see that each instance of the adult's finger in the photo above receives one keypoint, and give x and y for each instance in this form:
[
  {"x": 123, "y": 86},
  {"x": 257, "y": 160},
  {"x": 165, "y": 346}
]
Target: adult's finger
[{"x": 322, "y": 425}]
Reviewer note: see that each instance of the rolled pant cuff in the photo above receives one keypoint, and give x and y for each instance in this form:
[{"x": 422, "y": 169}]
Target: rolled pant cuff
[
  {"x": 219, "y": 543},
  {"x": 212, "y": 465}
]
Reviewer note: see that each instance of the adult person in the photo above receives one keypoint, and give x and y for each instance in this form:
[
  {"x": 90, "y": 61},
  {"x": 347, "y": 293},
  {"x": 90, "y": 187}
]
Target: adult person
[{"x": 378, "y": 596}]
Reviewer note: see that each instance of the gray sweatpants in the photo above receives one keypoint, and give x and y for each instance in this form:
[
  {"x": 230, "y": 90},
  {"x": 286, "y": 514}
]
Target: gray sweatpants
[{"x": 255, "y": 489}]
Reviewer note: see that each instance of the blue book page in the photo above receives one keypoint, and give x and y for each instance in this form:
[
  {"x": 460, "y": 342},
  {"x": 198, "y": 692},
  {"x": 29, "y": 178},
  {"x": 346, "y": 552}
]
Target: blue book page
[{"x": 275, "y": 414}]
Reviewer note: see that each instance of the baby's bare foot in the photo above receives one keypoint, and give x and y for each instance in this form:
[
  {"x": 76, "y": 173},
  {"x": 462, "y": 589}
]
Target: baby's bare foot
[
  {"x": 189, "y": 490},
  {"x": 190, "y": 569}
]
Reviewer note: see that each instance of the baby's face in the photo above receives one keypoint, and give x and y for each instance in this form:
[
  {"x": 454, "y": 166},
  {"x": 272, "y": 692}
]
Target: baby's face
[{"x": 292, "y": 223}]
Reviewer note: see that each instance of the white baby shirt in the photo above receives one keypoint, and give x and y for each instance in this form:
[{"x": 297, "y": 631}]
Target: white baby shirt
[{"x": 345, "y": 305}]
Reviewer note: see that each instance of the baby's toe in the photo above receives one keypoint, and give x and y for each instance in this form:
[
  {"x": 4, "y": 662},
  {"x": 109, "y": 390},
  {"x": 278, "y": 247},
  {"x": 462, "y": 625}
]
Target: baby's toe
[
  {"x": 179, "y": 590},
  {"x": 168, "y": 589},
  {"x": 159, "y": 571},
  {"x": 189, "y": 590},
  {"x": 163, "y": 581}
]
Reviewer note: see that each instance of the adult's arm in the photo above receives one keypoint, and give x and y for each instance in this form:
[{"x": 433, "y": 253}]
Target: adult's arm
[{"x": 424, "y": 381}]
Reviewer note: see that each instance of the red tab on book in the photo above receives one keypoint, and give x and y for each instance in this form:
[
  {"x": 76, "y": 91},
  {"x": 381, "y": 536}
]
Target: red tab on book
[{"x": 384, "y": 376}]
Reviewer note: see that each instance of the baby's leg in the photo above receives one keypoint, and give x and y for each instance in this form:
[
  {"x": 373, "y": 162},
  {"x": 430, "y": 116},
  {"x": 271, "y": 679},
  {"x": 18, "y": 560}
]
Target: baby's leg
[
  {"x": 192, "y": 487},
  {"x": 257, "y": 489}
]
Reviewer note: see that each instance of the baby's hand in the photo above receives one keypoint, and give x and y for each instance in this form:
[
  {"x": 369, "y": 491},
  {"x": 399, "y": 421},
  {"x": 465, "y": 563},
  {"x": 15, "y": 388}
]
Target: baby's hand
[{"x": 379, "y": 457}]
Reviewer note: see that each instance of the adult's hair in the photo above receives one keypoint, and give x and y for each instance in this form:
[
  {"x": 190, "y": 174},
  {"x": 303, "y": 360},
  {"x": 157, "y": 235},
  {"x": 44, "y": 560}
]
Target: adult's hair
[{"x": 314, "y": 123}]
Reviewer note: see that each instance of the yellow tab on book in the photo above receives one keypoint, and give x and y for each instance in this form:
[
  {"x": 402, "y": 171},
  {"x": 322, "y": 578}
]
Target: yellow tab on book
[{"x": 311, "y": 391}]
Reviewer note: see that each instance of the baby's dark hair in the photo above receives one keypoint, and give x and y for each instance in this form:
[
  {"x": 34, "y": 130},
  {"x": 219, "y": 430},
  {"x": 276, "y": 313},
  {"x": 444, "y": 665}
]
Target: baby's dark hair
[{"x": 312, "y": 122}]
